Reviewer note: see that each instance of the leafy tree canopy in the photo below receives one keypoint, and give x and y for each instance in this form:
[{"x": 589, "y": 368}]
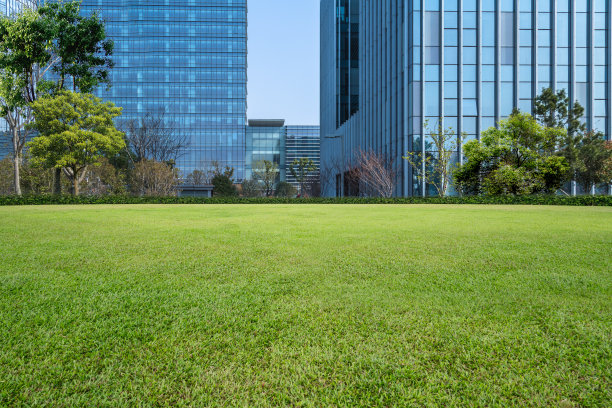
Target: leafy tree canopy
[
  {"x": 76, "y": 130},
  {"x": 516, "y": 158}
]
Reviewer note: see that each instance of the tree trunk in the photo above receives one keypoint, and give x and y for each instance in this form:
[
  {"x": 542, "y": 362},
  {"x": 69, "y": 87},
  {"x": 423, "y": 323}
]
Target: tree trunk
[
  {"x": 75, "y": 185},
  {"x": 16, "y": 162},
  {"x": 57, "y": 182},
  {"x": 17, "y": 178}
]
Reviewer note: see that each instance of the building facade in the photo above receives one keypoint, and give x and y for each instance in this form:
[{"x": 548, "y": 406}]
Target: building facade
[
  {"x": 187, "y": 59},
  {"x": 302, "y": 142},
  {"x": 266, "y": 140},
  {"x": 8, "y": 7},
  {"x": 469, "y": 62},
  {"x": 273, "y": 141}
]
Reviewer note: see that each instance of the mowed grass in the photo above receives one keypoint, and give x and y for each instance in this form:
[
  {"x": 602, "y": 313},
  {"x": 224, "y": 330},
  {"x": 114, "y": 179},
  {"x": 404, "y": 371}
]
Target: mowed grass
[{"x": 310, "y": 306}]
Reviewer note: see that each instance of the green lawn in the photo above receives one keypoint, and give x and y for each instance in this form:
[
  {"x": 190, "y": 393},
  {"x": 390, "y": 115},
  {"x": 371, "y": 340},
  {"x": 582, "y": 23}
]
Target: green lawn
[{"x": 306, "y": 306}]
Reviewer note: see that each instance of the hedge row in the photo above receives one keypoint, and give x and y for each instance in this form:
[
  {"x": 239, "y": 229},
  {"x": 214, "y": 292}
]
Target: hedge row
[{"x": 502, "y": 200}]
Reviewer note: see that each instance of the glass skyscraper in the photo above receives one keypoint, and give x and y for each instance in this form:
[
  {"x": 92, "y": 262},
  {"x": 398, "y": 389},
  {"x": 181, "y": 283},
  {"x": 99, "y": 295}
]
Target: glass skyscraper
[
  {"x": 468, "y": 61},
  {"x": 188, "y": 59}
]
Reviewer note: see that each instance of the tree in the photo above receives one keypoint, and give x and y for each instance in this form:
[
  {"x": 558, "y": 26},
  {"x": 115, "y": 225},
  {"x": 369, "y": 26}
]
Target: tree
[
  {"x": 53, "y": 37},
  {"x": 517, "y": 158},
  {"x": 24, "y": 59},
  {"x": 197, "y": 178},
  {"x": 76, "y": 130},
  {"x": 82, "y": 51},
  {"x": 223, "y": 186},
  {"x": 301, "y": 170},
  {"x": 375, "y": 173},
  {"x": 266, "y": 172},
  {"x": 154, "y": 179},
  {"x": 553, "y": 111},
  {"x": 285, "y": 189},
  {"x": 154, "y": 137},
  {"x": 594, "y": 158},
  {"x": 103, "y": 178},
  {"x": 251, "y": 188},
  {"x": 435, "y": 166}
]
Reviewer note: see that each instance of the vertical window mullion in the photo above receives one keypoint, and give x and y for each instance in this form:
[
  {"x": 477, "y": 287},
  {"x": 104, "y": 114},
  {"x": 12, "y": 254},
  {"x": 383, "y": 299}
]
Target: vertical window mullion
[
  {"x": 497, "y": 59},
  {"x": 534, "y": 52},
  {"x": 516, "y": 50},
  {"x": 591, "y": 72}
]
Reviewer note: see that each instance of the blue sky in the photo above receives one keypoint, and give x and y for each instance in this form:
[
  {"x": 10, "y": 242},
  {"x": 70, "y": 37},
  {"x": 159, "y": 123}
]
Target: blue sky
[{"x": 284, "y": 60}]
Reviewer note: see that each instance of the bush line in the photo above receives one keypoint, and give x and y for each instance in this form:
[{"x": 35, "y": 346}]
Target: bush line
[{"x": 499, "y": 200}]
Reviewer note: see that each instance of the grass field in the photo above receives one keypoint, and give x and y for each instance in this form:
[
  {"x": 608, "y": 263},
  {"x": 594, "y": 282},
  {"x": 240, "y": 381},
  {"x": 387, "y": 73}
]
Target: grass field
[{"x": 306, "y": 306}]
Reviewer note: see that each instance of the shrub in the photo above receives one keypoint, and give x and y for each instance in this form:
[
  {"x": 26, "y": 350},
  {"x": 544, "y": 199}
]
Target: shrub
[
  {"x": 508, "y": 180},
  {"x": 251, "y": 188},
  {"x": 488, "y": 200},
  {"x": 223, "y": 186},
  {"x": 153, "y": 178},
  {"x": 285, "y": 189}
]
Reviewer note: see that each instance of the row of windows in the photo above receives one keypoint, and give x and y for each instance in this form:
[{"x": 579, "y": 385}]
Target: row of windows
[
  {"x": 506, "y": 35},
  {"x": 580, "y": 6},
  {"x": 190, "y": 14},
  {"x": 506, "y": 73}
]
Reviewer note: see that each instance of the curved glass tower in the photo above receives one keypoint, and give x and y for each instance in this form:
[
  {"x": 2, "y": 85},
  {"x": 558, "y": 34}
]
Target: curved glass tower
[{"x": 189, "y": 59}]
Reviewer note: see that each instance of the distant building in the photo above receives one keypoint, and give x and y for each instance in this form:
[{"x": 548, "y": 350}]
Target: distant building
[
  {"x": 272, "y": 140},
  {"x": 387, "y": 67}
]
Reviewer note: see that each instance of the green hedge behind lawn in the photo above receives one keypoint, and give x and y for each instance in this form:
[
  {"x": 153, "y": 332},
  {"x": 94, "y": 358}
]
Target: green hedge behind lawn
[{"x": 603, "y": 201}]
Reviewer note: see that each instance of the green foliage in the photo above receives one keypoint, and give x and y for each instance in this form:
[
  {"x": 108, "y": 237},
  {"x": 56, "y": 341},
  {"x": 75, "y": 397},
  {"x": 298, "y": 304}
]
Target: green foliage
[
  {"x": 105, "y": 179},
  {"x": 553, "y": 110},
  {"x": 285, "y": 189},
  {"x": 508, "y": 180},
  {"x": 76, "y": 130},
  {"x": 24, "y": 51},
  {"x": 80, "y": 45},
  {"x": 552, "y": 172},
  {"x": 53, "y": 38},
  {"x": 552, "y": 200},
  {"x": 223, "y": 186},
  {"x": 34, "y": 179},
  {"x": 251, "y": 188},
  {"x": 7, "y": 186},
  {"x": 218, "y": 170},
  {"x": 266, "y": 172},
  {"x": 305, "y": 306},
  {"x": 301, "y": 169},
  {"x": 517, "y": 158},
  {"x": 593, "y": 157}
]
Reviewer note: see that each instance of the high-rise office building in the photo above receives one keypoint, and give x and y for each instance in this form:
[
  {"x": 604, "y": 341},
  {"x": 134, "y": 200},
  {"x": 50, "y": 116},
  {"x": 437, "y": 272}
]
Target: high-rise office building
[
  {"x": 187, "y": 59},
  {"x": 468, "y": 61}
]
